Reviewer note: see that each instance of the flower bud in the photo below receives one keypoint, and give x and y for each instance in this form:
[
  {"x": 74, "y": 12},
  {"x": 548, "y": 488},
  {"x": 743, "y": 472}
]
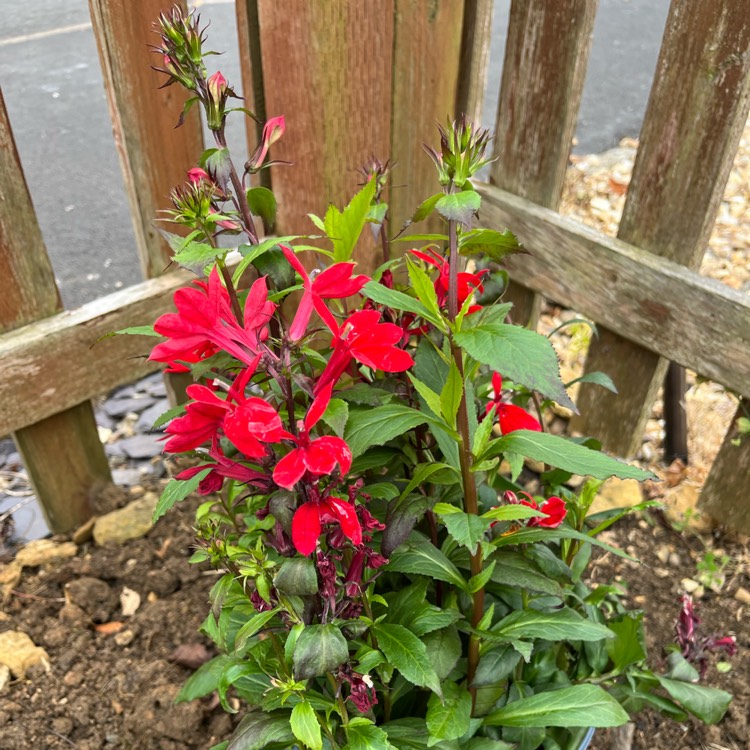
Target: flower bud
[
  {"x": 218, "y": 92},
  {"x": 272, "y": 132}
]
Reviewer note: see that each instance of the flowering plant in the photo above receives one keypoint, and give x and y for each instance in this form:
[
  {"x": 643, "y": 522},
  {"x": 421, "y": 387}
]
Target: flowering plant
[{"x": 387, "y": 582}]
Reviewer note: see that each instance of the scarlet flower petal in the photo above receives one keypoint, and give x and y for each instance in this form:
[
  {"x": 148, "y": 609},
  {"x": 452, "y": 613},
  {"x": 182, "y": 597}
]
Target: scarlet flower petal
[
  {"x": 556, "y": 511},
  {"x": 290, "y": 469},
  {"x": 347, "y": 517},
  {"x": 511, "y": 417},
  {"x": 324, "y": 452},
  {"x": 306, "y": 527},
  {"x": 318, "y": 407}
]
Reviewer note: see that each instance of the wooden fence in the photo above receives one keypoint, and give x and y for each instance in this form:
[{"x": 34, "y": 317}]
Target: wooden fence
[{"x": 364, "y": 76}]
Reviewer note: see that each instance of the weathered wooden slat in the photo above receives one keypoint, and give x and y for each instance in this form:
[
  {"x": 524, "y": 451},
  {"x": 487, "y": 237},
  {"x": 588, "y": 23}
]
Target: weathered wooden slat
[
  {"x": 724, "y": 494},
  {"x": 61, "y": 477},
  {"x": 426, "y": 53},
  {"x": 697, "y": 109},
  {"x": 153, "y": 154},
  {"x": 56, "y": 363},
  {"x": 654, "y": 302},
  {"x": 475, "y": 57},
  {"x": 545, "y": 65},
  {"x": 333, "y": 85}
]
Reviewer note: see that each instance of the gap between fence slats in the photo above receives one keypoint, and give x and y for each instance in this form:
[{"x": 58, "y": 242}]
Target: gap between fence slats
[
  {"x": 697, "y": 109},
  {"x": 546, "y": 54}
]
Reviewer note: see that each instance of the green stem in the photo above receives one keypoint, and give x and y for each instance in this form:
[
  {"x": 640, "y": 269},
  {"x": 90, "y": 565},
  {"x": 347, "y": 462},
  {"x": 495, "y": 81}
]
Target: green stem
[
  {"x": 227, "y": 276},
  {"x": 471, "y": 502}
]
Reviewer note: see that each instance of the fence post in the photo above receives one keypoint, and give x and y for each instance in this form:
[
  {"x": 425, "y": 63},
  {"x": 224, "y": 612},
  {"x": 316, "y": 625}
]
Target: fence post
[
  {"x": 724, "y": 494},
  {"x": 63, "y": 455},
  {"x": 695, "y": 116},
  {"x": 475, "y": 57},
  {"x": 545, "y": 65}
]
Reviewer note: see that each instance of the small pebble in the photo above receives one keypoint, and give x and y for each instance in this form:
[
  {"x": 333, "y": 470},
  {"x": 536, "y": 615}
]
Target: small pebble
[
  {"x": 124, "y": 637},
  {"x": 742, "y": 595}
]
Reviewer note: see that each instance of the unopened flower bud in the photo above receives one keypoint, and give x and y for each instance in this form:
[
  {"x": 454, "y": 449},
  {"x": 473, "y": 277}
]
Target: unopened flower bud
[
  {"x": 272, "y": 132},
  {"x": 218, "y": 92}
]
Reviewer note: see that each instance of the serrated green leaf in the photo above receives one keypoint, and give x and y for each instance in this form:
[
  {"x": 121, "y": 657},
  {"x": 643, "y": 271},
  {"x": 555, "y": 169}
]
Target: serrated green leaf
[
  {"x": 423, "y": 287},
  {"x": 364, "y": 735},
  {"x": 707, "y": 703},
  {"x": 559, "y": 625},
  {"x": 379, "y": 425},
  {"x": 252, "y": 627},
  {"x": 424, "y": 558},
  {"x": 136, "y": 331},
  {"x": 204, "y": 680},
  {"x": 514, "y": 512},
  {"x": 406, "y": 653},
  {"x": 426, "y": 207},
  {"x": 259, "y": 729},
  {"x": 400, "y": 301},
  {"x": 262, "y": 202},
  {"x": 297, "y": 576},
  {"x": 304, "y": 724},
  {"x": 576, "y": 706},
  {"x": 467, "y": 529},
  {"x": 250, "y": 253},
  {"x": 168, "y": 416},
  {"x": 519, "y": 354},
  {"x": 195, "y": 256},
  {"x": 459, "y": 206},
  {"x": 443, "y": 650},
  {"x": 597, "y": 378},
  {"x": 175, "y": 491},
  {"x": 450, "y": 396},
  {"x": 449, "y": 718},
  {"x": 496, "y": 665},
  {"x": 513, "y": 569},
  {"x": 565, "y": 454},
  {"x": 336, "y": 415},
  {"x": 489, "y": 242},
  {"x": 430, "y": 397},
  {"x": 628, "y": 646}
]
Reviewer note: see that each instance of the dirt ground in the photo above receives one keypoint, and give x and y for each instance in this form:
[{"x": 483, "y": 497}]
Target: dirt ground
[{"x": 112, "y": 678}]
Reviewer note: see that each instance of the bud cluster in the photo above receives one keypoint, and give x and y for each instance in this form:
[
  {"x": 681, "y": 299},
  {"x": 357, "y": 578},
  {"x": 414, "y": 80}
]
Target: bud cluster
[{"x": 462, "y": 150}]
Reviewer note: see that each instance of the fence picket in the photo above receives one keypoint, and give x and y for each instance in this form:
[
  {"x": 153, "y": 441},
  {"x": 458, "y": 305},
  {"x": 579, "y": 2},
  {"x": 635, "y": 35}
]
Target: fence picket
[
  {"x": 696, "y": 112},
  {"x": 63, "y": 455},
  {"x": 545, "y": 65},
  {"x": 475, "y": 58}
]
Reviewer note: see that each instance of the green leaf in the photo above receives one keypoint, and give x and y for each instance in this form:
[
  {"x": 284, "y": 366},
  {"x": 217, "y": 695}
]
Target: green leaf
[
  {"x": 467, "y": 529},
  {"x": 708, "y": 704},
  {"x": 406, "y": 653},
  {"x": 598, "y": 378},
  {"x": 259, "y": 729},
  {"x": 517, "y": 353},
  {"x": 297, "y": 577},
  {"x": 482, "y": 437},
  {"x": 428, "y": 618},
  {"x": 448, "y": 719},
  {"x": 377, "y": 426},
  {"x": 424, "y": 558},
  {"x": 195, "y": 256},
  {"x": 450, "y": 396},
  {"x": 558, "y": 625},
  {"x": 319, "y": 649},
  {"x": 565, "y": 454},
  {"x": 262, "y": 202},
  {"x": 489, "y": 242},
  {"x": 424, "y": 288},
  {"x": 344, "y": 227},
  {"x": 514, "y": 512},
  {"x": 253, "y": 626},
  {"x": 218, "y": 164},
  {"x": 431, "y": 398},
  {"x": 336, "y": 415},
  {"x": 577, "y": 706},
  {"x": 168, "y": 416},
  {"x": 426, "y": 207},
  {"x": 431, "y": 238},
  {"x": 513, "y": 569},
  {"x": 304, "y": 724},
  {"x": 627, "y": 647},
  {"x": 459, "y": 206},
  {"x": 250, "y": 253},
  {"x": 136, "y": 331},
  {"x": 400, "y": 301},
  {"x": 443, "y": 650},
  {"x": 204, "y": 680},
  {"x": 175, "y": 491},
  {"x": 364, "y": 735},
  {"x": 495, "y": 666}
]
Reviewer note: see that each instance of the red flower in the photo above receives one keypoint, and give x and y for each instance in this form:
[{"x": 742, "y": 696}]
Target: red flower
[
  {"x": 370, "y": 342},
  {"x": 336, "y": 282},
  {"x": 509, "y": 416},
  {"x": 554, "y": 508},
  {"x": 204, "y": 323},
  {"x": 309, "y": 517},
  {"x": 272, "y": 131},
  {"x": 202, "y": 420},
  {"x": 318, "y": 456},
  {"x": 468, "y": 283}
]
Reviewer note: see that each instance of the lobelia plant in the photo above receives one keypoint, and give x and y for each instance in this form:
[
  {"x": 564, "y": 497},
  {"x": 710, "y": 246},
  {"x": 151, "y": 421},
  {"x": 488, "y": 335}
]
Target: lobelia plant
[{"x": 386, "y": 581}]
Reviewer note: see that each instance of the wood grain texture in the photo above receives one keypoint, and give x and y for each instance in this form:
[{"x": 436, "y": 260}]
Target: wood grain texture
[
  {"x": 327, "y": 69},
  {"x": 58, "y": 362},
  {"x": 724, "y": 494},
  {"x": 63, "y": 457},
  {"x": 546, "y": 54},
  {"x": 696, "y": 112},
  {"x": 656, "y": 303},
  {"x": 426, "y": 54},
  {"x": 153, "y": 154},
  {"x": 29, "y": 289},
  {"x": 475, "y": 58}
]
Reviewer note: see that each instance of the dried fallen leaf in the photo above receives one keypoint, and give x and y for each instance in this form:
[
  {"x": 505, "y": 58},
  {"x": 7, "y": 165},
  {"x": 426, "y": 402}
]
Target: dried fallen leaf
[
  {"x": 129, "y": 602},
  {"x": 109, "y": 628}
]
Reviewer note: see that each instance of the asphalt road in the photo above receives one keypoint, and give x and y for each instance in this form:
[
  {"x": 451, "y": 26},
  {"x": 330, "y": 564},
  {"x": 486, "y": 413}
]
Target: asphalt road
[{"x": 50, "y": 77}]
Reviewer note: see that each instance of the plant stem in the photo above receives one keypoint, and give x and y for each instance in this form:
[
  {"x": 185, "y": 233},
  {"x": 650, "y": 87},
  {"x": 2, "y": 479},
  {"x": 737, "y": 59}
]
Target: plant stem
[
  {"x": 471, "y": 502},
  {"x": 236, "y": 309},
  {"x": 384, "y": 241}
]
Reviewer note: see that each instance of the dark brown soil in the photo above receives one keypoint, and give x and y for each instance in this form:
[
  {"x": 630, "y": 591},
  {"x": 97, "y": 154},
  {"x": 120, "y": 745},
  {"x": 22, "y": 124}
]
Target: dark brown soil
[{"x": 99, "y": 694}]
